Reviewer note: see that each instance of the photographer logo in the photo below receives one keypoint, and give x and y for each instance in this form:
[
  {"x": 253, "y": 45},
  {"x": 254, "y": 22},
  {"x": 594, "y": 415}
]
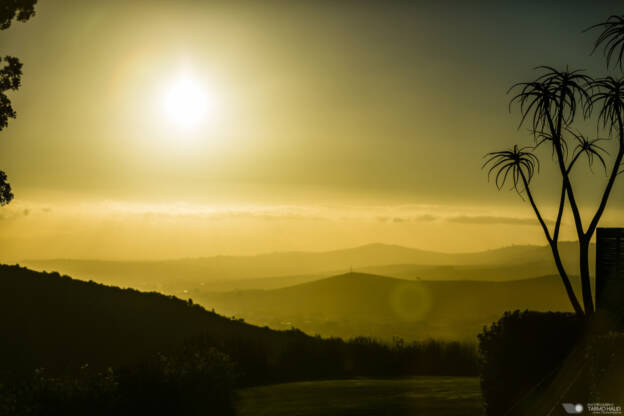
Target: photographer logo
[
  {"x": 573, "y": 409},
  {"x": 592, "y": 408}
]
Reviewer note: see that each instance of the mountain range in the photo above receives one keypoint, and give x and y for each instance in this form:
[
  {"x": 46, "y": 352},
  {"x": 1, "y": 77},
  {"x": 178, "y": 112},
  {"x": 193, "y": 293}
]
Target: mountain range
[{"x": 270, "y": 271}]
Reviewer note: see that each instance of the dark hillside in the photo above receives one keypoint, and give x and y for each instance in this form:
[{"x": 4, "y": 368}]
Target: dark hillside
[{"x": 60, "y": 324}]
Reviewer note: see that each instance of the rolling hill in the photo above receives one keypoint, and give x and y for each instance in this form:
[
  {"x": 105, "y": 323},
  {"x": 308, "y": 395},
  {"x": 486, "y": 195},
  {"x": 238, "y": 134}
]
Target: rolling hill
[
  {"x": 498, "y": 273},
  {"x": 365, "y": 304}
]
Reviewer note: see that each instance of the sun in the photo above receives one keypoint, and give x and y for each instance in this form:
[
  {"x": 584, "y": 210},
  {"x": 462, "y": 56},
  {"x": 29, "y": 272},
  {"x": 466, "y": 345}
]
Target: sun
[{"x": 186, "y": 103}]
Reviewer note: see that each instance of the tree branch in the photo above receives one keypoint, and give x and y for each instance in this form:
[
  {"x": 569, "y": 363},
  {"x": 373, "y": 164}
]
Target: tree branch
[
  {"x": 535, "y": 208},
  {"x": 564, "y": 173},
  {"x": 559, "y": 214},
  {"x": 610, "y": 183},
  {"x": 553, "y": 244},
  {"x": 571, "y": 165}
]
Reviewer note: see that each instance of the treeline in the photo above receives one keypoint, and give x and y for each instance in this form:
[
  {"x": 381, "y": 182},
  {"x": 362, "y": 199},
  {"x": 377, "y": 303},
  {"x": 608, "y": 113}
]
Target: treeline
[
  {"x": 55, "y": 327},
  {"x": 301, "y": 357}
]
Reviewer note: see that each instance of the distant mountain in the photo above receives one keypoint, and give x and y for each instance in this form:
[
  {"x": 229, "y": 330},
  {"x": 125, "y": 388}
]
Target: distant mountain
[
  {"x": 357, "y": 303},
  {"x": 239, "y": 272},
  {"x": 464, "y": 272}
]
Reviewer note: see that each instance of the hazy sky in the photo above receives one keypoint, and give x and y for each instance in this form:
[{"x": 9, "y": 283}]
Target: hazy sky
[{"x": 326, "y": 124}]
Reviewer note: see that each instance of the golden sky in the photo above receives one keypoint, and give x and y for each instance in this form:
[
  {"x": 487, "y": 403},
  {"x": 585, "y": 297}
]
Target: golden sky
[{"x": 324, "y": 125}]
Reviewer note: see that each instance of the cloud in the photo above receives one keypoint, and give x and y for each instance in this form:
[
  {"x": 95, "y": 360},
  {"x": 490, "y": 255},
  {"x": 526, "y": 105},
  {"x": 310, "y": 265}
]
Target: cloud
[
  {"x": 13, "y": 214},
  {"x": 426, "y": 217},
  {"x": 485, "y": 219},
  {"x": 416, "y": 218}
]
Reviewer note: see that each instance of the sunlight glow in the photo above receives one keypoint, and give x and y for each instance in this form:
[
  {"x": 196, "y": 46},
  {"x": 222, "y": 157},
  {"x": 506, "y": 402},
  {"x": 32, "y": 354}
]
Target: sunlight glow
[{"x": 186, "y": 103}]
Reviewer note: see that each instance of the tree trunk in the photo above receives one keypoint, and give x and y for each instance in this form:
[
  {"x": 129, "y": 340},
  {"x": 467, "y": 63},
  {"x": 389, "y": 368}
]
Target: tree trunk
[
  {"x": 566, "y": 280},
  {"x": 588, "y": 300}
]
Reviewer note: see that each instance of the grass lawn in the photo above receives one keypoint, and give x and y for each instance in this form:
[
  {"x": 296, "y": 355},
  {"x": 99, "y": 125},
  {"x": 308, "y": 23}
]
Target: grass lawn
[{"x": 435, "y": 396}]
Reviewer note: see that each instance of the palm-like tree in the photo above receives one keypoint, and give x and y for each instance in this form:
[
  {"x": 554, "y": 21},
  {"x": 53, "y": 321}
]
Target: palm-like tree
[
  {"x": 520, "y": 166},
  {"x": 550, "y": 104}
]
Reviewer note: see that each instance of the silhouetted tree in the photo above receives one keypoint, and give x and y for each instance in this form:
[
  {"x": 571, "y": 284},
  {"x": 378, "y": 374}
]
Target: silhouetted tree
[
  {"x": 10, "y": 74},
  {"x": 5, "y": 190},
  {"x": 551, "y": 104},
  {"x": 20, "y": 10}
]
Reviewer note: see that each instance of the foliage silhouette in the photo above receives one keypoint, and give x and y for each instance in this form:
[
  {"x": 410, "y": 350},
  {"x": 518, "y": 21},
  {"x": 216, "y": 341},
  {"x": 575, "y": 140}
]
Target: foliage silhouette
[
  {"x": 10, "y": 75},
  {"x": 5, "y": 190},
  {"x": 521, "y": 164},
  {"x": 554, "y": 95},
  {"x": 20, "y": 10},
  {"x": 550, "y": 105},
  {"x": 10, "y": 80},
  {"x": 590, "y": 149},
  {"x": 519, "y": 352},
  {"x": 611, "y": 38},
  {"x": 186, "y": 383}
]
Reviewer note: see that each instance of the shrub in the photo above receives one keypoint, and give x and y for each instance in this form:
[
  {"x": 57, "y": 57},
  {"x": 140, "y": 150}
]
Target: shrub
[
  {"x": 520, "y": 352},
  {"x": 42, "y": 394},
  {"x": 190, "y": 382}
]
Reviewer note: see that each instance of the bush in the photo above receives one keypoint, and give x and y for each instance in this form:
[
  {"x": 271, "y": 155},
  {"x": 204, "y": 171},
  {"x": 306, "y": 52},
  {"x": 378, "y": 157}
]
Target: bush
[
  {"x": 520, "y": 352},
  {"x": 191, "y": 382},
  {"x": 41, "y": 394}
]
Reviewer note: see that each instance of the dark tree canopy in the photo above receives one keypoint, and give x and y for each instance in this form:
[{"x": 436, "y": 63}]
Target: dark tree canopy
[
  {"x": 10, "y": 80},
  {"x": 5, "y": 190},
  {"x": 11, "y": 69},
  {"x": 21, "y": 10},
  {"x": 10, "y": 74}
]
